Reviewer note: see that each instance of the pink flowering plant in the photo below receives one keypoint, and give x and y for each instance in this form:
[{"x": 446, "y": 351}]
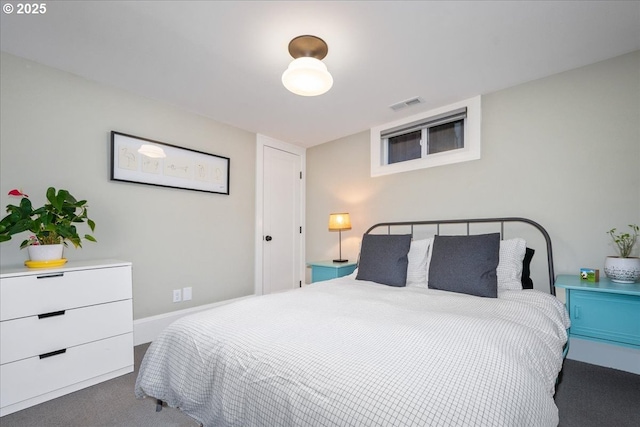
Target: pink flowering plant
[{"x": 51, "y": 224}]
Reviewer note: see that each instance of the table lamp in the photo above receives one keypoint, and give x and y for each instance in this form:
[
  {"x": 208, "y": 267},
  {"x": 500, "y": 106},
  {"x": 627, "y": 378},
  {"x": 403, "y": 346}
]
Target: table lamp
[{"x": 339, "y": 221}]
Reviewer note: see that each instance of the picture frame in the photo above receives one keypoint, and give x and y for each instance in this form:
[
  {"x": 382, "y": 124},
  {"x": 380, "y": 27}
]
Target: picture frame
[{"x": 145, "y": 161}]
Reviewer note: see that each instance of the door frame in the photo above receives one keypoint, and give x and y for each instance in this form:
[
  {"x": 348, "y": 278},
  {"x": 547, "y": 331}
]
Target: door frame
[{"x": 261, "y": 142}]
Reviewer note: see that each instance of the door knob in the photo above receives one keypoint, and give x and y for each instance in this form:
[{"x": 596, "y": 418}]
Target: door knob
[{"x": 268, "y": 238}]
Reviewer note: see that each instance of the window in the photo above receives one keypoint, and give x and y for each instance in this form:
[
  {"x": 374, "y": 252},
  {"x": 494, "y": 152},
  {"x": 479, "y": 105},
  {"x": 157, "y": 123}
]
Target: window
[{"x": 446, "y": 135}]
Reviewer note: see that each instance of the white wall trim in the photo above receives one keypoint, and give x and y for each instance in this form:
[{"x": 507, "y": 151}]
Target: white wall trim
[
  {"x": 147, "y": 329},
  {"x": 261, "y": 142}
]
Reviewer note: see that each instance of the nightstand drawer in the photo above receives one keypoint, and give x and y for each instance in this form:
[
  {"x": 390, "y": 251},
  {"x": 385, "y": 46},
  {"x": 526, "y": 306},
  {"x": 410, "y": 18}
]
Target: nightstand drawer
[
  {"x": 326, "y": 270},
  {"x": 606, "y": 316},
  {"x": 319, "y": 274}
]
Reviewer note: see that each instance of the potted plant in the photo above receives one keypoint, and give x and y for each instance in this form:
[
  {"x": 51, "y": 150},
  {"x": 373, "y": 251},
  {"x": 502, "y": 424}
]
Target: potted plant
[
  {"x": 623, "y": 268},
  {"x": 53, "y": 225}
]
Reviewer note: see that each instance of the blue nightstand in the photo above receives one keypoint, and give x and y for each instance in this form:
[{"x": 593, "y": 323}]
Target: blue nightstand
[
  {"x": 603, "y": 311},
  {"x": 325, "y": 270}
]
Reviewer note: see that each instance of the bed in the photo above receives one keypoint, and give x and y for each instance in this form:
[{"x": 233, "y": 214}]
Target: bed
[{"x": 456, "y": 340}]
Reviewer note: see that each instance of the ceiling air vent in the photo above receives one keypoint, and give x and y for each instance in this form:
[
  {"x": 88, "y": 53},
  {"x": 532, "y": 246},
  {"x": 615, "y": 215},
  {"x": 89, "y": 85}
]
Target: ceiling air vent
[{"x": 406, "y": 103}]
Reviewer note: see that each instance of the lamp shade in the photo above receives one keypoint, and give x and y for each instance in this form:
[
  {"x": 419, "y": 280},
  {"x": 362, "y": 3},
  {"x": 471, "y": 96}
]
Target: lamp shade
[
  {"x": 307, "y": 76},
  {"x": 152, "y": 151},
  {"x": 339, "y": 221}
]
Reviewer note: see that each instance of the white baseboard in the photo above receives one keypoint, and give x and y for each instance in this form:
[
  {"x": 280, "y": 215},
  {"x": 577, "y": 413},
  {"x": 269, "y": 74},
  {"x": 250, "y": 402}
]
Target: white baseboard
[
  {"x": 607, "y": 355},
  {"x": 147, "y": 329}
]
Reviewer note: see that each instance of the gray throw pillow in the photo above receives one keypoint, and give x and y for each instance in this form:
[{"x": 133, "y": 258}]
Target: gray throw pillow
[
  {"x": 466, "y": 264},
  {"x": 383, "y": 258}
]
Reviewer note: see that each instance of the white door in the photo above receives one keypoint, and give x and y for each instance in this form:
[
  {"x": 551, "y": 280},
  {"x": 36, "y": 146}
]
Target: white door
[{"x": 281, "y": 227}]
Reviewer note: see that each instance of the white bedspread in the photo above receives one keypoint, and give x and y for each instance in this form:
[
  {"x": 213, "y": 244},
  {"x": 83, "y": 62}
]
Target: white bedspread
[{"x": 353, "y": 353}]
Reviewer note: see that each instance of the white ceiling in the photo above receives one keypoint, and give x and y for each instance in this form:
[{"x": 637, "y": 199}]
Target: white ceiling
[{"x": 224, "y": 59}]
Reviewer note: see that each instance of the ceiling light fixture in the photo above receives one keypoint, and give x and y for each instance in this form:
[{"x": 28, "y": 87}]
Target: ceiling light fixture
[{"x": 307, "y": 75}]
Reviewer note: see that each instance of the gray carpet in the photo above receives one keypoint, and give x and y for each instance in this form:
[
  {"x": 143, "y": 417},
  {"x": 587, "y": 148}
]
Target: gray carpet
[
  {"x": 109, "y": 404},
  {"x": 587, "y": 396},
  {"x": 593, "y": 396}
]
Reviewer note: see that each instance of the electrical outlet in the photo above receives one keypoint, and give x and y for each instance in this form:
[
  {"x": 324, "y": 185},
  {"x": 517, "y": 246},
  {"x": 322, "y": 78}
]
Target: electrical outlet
[
  {"x": 177, "y": 295},
  {"x": 186, "y": 293}
]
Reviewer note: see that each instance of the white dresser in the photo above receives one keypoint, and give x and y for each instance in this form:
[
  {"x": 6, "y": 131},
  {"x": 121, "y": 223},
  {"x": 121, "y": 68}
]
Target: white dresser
[{"x": 63, "y": 329}]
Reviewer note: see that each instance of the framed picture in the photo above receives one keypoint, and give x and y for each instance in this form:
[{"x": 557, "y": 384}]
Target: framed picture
[{"x": 145, "y": 161}]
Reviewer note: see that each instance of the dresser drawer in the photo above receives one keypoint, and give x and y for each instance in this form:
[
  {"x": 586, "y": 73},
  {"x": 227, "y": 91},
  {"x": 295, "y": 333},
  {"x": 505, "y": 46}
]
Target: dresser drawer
[
  {"x": 607, "y": 316},
  {"x": 31, "y": 336},
  {"x": 26, "y": 378},
  {"x": 35, "y": 294}
]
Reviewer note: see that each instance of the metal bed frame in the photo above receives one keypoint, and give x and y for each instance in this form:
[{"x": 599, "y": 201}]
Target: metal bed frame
[{"x": 468, "y": 222}]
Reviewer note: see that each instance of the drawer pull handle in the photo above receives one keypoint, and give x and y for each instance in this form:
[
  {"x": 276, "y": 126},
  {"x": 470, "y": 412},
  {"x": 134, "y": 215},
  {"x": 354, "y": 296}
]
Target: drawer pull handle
[
  {"x": 50, "y": 276},
  {"x": 53, "y": 353},
  {"x": 52, "y": 314},
  {"x": 577, "y": 312}
]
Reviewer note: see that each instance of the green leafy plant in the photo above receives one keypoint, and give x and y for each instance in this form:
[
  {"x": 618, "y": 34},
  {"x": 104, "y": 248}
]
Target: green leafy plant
[
  {"x": 51, "y": 224},
  {"x": 625, "y": 241}
]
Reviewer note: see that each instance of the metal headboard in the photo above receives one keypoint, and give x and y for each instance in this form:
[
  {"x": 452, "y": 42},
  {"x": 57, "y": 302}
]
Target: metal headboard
[{"x": 500, "y": 221}]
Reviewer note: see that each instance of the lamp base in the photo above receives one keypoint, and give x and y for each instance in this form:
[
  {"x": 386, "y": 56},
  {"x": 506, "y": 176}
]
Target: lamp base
[{"x": 340, "y": 260}]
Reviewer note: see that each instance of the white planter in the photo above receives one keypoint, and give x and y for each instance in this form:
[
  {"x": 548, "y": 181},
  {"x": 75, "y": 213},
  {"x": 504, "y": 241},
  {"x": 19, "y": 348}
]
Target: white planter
[
  {"x": 45, "y": 252},
  {"x": 622, "y": 270}
]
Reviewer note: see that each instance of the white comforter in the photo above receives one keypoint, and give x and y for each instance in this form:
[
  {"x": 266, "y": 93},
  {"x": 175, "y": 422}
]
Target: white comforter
[{"x": 353, "y": 353}]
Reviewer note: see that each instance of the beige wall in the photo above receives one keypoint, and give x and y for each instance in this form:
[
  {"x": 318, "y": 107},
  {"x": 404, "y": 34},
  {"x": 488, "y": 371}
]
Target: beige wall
[
  {"x": 563, "y": 151},
  {"x": 55, "y": 132}
]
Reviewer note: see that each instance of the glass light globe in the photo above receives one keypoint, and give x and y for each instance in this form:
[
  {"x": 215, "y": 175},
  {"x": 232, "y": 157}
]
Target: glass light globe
[{"x": 307, "y": 76}]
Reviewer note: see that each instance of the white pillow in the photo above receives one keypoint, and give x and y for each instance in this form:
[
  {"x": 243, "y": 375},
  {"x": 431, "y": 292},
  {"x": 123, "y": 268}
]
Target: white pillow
[
  {"x": 417, "y": 267},
  {"x": 509, "y": 269}
]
